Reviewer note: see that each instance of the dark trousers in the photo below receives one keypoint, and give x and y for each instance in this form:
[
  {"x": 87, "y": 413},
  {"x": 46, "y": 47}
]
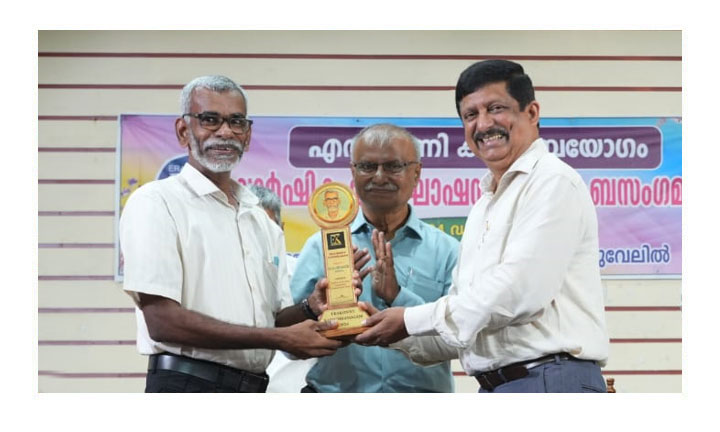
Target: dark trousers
[{"x": 224, "y": 380}]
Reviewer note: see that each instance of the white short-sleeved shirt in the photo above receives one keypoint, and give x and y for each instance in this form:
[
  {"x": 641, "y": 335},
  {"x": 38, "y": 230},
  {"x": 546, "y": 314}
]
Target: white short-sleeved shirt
[{"x": 182, "y": 239}]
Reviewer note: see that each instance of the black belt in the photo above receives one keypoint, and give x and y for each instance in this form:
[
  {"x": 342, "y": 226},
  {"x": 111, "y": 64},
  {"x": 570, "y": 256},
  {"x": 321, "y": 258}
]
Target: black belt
[
  {"x": 240, "y": 380},
  {"x": 489, "y": 380}
]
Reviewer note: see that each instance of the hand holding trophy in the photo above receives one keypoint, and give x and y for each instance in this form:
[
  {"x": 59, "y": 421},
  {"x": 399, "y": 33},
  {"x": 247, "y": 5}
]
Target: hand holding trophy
[{"x": 333, "y": 207}]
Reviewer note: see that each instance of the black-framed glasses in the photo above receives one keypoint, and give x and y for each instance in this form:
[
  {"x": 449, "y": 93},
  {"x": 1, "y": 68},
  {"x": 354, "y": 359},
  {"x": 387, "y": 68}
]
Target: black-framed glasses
[
  {"x": 213, "y": 121},
  {"x": 391, "y": 167}
]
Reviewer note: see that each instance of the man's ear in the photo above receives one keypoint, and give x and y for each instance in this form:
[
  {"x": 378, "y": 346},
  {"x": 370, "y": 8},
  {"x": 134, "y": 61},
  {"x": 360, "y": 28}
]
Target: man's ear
[
  {"x": 247, "y": 140},
  {"x": 416, "y": 173},
  {"x": 182, "y": 132},
  {"x": 533, "y": 110}
]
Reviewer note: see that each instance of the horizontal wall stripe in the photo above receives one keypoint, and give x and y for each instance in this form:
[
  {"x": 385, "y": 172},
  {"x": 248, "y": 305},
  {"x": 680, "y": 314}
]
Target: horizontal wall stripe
[
  {"x": 74, "y": 278},
  {"x": 84, "y": 342},
  {"x": 360, "y": 56},
  {"x": 94, "y": 310},
  {"x": 77, "y": 213},
  {"x": 350, "y": 87},
  {"x": 76, "y": 149},
  {"x": 114, "y": 86},
  {"x": 86, "y": 117},
  {"x": 92, "y": 375},
  {"x": 56, "y": 374},
  {"x": 84, "y": 310},
  {"x": 132, "y": 342},
  {"x": 76, "y": 245},
  {"x": 75, "y": 181},
  {"x": 642, "y": 372},
  {"x": 616, "y": 372}
]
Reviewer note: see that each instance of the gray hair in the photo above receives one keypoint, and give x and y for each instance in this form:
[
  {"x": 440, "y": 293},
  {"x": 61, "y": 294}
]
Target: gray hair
[
  {"x": 268, "y": 200},
  {"x": 216, "y": 83},
  {"x": 383, "y": 133}
]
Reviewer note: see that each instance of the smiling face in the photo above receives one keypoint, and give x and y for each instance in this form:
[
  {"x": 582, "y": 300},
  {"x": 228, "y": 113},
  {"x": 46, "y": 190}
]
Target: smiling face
[
  {"x": 496, "y": 129},
  {"x": 213, "y": 151},
  {"x": 383, "y": 191}
]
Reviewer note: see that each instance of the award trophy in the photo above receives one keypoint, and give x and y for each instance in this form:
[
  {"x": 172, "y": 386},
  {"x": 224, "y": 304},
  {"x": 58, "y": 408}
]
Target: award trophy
[{"x": 333, "y": 207}]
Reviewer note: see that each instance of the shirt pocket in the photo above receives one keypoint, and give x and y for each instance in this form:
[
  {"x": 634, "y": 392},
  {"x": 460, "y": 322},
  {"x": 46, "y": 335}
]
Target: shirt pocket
[
  {"x": 492, "y": 244},
  {"x": 424, "y": 286}
]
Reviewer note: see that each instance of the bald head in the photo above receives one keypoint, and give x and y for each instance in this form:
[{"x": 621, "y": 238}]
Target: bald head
[{"x": 383, "y": 134}]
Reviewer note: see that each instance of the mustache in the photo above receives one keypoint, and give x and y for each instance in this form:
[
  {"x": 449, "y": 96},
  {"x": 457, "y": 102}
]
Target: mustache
[
  {"x": 215, "y": 143},
  {"x": 385, "y": 187},
  {"x": 482, "y": 136}
]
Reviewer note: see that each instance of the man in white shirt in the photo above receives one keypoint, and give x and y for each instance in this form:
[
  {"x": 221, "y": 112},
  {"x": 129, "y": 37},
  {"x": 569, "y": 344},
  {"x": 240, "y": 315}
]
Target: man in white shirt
[
  {"x": 206, "y": 266},
  {"x": 525, "y": 312}
]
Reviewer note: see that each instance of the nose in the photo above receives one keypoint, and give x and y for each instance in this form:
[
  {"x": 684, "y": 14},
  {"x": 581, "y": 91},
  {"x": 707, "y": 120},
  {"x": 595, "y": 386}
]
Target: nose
[
  {"x": 379, "y": 173},
  {"x": 483, "y": 122},
  {"x": 224, "y": 130}
]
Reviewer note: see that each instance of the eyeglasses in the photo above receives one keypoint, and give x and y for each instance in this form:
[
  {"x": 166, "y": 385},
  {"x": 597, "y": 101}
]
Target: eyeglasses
[
  {"x": 213, "y": 121},
  {"x": 392, "y": 167}
]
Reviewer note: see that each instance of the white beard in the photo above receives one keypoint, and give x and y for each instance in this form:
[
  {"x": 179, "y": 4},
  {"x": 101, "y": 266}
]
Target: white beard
[{"x": 220, "y": 164}]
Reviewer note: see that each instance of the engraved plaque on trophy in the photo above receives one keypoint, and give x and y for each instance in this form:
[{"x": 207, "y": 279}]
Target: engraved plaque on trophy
[{"x": 333, "y": 207}]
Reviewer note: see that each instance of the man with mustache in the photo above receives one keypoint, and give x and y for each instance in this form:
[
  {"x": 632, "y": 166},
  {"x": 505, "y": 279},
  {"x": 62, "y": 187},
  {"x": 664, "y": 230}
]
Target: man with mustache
[
  {"x": 205, "y": 265},
  {"x": 525, "y": 312},
  {"x": 385, "y": 167}
]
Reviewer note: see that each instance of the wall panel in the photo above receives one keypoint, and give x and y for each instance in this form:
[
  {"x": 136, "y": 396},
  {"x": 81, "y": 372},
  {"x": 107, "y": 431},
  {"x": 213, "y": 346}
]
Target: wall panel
[
  {"x": 507, "y": 43},
  {"x": 360, "y": 102},
  {"x": 82, "y": 294},
  {"x": 154, "y": 72},
  {"x": 59, "y": 231}
]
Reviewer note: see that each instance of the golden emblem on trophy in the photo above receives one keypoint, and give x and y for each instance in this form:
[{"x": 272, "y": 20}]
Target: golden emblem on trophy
[{"x": 333, "y": 207}]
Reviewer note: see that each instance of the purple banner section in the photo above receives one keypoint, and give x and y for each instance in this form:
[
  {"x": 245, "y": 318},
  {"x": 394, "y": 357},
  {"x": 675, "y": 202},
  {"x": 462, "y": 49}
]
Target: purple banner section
[
  {"x": 611, "y": 147},
  {"x": 329, "y": 147},
  {"x": 631, "y": 147}
]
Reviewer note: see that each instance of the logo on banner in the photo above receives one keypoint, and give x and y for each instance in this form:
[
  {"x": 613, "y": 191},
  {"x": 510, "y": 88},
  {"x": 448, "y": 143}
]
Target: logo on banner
[{"x": 172, "y": 166}]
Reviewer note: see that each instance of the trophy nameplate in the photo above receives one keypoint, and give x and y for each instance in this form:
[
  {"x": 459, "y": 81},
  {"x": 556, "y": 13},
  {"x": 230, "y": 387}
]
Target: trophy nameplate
[{"x": 333, "y": 207}]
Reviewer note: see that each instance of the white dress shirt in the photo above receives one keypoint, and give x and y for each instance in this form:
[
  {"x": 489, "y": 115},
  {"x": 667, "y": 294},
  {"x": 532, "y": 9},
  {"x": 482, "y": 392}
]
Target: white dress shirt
[
  {"x": 527, "y": 282},
  {"x": 182, "y": 239}
]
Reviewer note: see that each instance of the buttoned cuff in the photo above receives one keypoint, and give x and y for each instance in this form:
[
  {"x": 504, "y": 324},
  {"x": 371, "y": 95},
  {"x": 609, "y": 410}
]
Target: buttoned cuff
[{"x": 419, "y": 320}]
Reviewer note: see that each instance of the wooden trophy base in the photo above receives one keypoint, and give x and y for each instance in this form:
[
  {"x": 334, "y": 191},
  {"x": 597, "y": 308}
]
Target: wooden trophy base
[{"x": 349, "y": 320}]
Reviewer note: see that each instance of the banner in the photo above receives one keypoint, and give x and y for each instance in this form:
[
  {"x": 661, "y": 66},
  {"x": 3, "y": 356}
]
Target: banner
[{"x": 632, "y": 166}]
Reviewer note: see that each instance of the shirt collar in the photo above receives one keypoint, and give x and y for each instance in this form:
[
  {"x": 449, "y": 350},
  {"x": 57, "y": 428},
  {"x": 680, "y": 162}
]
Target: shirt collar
[
  {"x": 201, "y": 185},
  {"x": 524, "y": 163},
  {"x": 413, "y": 223}
]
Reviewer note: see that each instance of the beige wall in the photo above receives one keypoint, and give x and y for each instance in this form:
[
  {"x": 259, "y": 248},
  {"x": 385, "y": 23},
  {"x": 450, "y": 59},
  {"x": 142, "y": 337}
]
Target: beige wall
[{"x": 86, "y": 326}]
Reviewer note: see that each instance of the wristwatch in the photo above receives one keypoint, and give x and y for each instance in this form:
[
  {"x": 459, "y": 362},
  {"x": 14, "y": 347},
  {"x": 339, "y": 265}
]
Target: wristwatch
[{"x": 307, "y": 310}]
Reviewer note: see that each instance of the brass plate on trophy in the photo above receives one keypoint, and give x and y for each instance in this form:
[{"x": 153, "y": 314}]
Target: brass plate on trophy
[{"x": 333, "y": 207}]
